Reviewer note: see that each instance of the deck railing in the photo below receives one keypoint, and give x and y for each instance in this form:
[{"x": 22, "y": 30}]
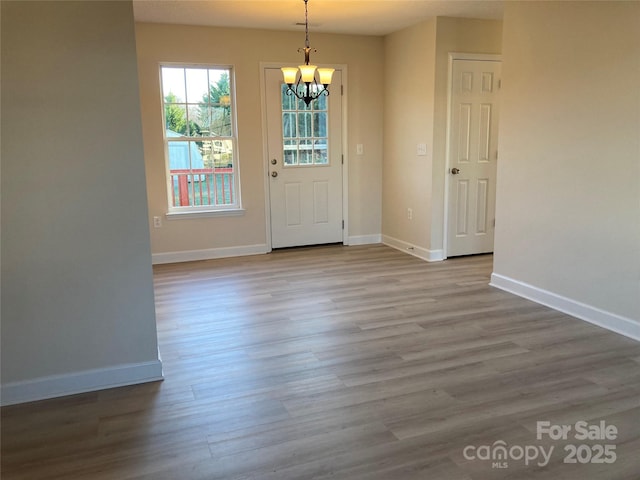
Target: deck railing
[{"x": 202, "y": 186}]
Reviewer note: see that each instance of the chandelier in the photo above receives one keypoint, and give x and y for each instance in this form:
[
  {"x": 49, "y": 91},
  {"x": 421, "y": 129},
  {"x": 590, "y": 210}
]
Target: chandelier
[{"x": 306, "y": 74}]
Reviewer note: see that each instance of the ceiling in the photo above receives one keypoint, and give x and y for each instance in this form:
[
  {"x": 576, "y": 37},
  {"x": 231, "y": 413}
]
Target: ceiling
[{"x": 362, "y": 17}]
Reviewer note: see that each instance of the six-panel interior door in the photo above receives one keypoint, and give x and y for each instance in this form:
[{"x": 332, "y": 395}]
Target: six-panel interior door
[
  {"x": 473, "y": 152},
  {"x": 305, "y": 165}
]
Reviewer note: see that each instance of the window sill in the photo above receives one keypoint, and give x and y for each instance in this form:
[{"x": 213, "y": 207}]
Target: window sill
[{"x": 238, "y": 212}]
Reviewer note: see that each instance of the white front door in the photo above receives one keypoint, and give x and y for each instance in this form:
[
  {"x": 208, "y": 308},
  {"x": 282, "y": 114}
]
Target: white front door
[
  {"x": 473, "y": 143},
  {"x": 305, "y": 164}
]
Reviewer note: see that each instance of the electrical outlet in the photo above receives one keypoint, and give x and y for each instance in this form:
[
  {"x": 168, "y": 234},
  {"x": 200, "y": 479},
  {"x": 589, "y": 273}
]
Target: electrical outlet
[
  {"x": 421, "y": 149},
  {"x": 410, "y": 213},
  {"x": 157, "y": 222}
]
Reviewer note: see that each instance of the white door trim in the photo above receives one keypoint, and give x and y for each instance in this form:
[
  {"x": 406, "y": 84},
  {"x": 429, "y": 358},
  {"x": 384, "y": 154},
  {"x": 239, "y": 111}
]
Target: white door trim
[
  {"x": 264, "y": 66},
  {"x": 486, "y": 57}
]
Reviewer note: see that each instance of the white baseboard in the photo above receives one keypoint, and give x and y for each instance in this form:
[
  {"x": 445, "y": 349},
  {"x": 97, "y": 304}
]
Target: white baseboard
[
  {"x": 208, "y": 254},
  {"x": 80, "y": 382},
  {"x": 423, "y": 253},
  {"x": 610, "y": 321},
  {"x": 365, "y": 239}
]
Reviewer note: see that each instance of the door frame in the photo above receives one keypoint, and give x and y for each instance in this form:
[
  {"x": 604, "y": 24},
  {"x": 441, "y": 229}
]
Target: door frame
[
  {"x": 483, "y": 57},
  {"x": 264, "y": 66}
]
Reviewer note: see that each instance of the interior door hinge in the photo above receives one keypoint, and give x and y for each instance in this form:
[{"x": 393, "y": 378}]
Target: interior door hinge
[
  {"x": 343, "y": 159},
  {"x": 341, "y": 89},
  {"x": 499, "y": 83},
  {"x": 343, "y": 224}
]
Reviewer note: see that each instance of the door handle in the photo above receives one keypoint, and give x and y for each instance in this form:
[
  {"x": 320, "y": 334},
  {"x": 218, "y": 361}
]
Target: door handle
[
  {"x": 455, "y": 171},
  {"x": 274, "y": 174},
  {"x": 274, "y": 161}
]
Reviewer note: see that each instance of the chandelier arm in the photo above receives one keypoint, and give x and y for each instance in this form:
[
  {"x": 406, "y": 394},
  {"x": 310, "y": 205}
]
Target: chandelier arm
[
  {"x": 307, "y": 95},
  {"x": 321, "y": 89}
]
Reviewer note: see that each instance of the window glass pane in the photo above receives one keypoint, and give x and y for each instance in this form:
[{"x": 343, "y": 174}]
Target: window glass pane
[
  {"x": 289, "y": 125},
  {"x": 206, "y": 150},
  {"x": 222, "y": 154},
  {"x": 320, "y": 124},
  {"x": 219, "y": 87},
  {"x": 224, "y": 187},
  {"x": 221, "y": 122},
  {"x": 197, "y": 116},
  {"x": 173, "y": 84},
  {"x": 203, "y": 116},
  {"x": 290, "y": 152},
  {"x": 288, "y": 100},
  {"x": 175, "y": 120},
  {"x": 179, "y": 158},
  {"x": 305, "y": 157},
  {"x": 197, "y": 85},
  {"x": 320, "y": 156},
  {"x": 320, "y": 103},
  {"x": 304, "y": 124}
]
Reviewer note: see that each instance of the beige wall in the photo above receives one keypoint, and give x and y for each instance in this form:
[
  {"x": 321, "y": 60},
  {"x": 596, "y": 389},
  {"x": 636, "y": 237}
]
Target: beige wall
[
  {"x": 77, "y": 290},
  {"x": 409, "y": 99},
  {"x": 245, "y": 49},
  {"x": 416, "y": 76},
  {"x": 568, "y": 204}
]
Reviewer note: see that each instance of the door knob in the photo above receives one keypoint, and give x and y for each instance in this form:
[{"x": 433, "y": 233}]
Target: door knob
[
  {"x": 455, "y": 171},
  {"x": 274, "y": 174},
  {"x": 274, "y": 161}
]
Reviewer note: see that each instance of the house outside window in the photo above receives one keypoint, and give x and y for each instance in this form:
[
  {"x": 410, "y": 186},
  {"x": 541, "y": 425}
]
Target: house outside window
[{"x": 200, "y": 138}]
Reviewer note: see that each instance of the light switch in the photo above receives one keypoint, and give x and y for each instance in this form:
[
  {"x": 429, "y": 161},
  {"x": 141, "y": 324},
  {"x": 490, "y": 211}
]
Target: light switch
[
  {"x": 422, "y": 149},
  {"x": 359, "y": 149}
]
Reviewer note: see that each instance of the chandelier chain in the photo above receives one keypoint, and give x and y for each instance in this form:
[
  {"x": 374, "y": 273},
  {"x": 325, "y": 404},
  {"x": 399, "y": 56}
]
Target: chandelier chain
[{"x": 306, "y": 24}]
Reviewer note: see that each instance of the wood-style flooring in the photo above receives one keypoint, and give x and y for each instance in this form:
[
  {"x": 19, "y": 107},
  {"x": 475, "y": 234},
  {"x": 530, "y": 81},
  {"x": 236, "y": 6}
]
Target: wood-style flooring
[{"x": 346, "y": 363}]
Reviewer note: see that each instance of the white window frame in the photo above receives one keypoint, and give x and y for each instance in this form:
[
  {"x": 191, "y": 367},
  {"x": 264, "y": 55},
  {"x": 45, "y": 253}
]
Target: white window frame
[{"x": 203, "y": 210}]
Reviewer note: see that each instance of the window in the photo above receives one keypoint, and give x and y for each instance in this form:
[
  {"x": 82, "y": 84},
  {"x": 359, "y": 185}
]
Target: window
[
  {"x": 304, "y": 128},
  {"x": 201, "y": 143}
]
